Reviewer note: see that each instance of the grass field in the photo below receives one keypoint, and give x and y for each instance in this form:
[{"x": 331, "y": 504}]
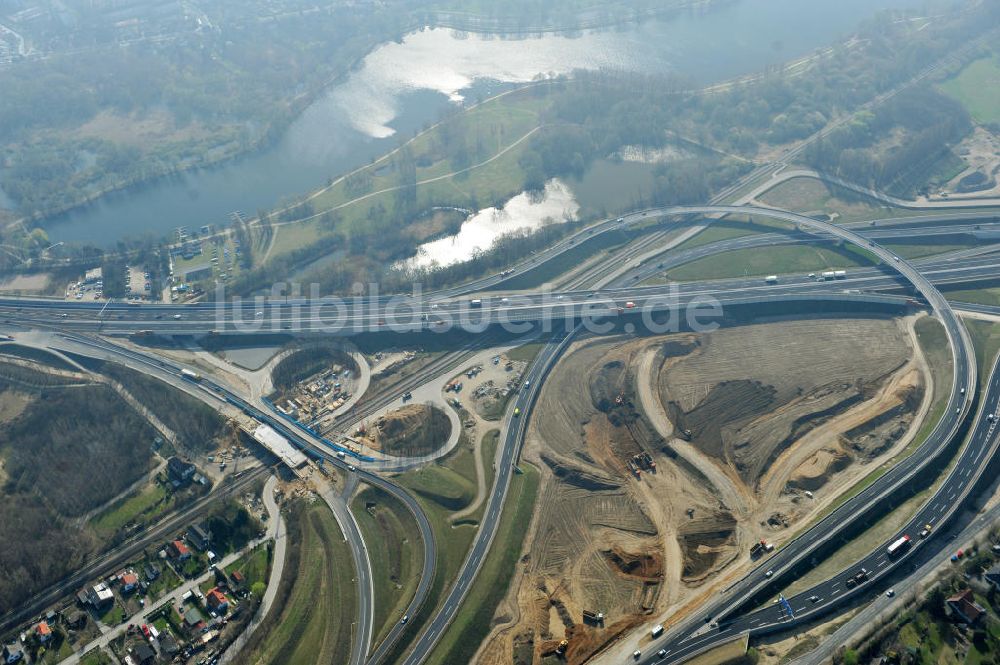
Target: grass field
[
  {"x": 987, "y": 296},
  {"x": 920, "y": 250},
  {"x": 977, "y": 87},
  {"x": 395, "y": 550},
  {"x": 315, "y": 625},
  {"x": 255, "y": 566},
  {"x": 759, "y": 261},
  {"x": 472, "y": 622},
  {"x": 95, "y": 657},
  {"x": 493, "y": 136},
  {"x": 437, "y": 488},
  {"x": 145, "y": 505}
]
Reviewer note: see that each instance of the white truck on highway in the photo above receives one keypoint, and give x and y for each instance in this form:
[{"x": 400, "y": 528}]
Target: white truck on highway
[
  {"x": 771, "y": 279},
  {"x": 189, "y": 375}
]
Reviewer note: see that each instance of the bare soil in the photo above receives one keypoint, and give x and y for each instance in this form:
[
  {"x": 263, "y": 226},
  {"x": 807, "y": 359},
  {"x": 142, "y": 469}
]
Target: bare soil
[
  {"x": 638, "y": 523},
  {"x": 415, "y": 429}
]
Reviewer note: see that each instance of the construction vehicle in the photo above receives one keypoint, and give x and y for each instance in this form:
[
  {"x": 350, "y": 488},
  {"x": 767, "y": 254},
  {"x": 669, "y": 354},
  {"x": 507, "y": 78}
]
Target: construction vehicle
[
  {"x": 657, "y": 630},
  {"x": 593, "y": 617},
  {"x": 620, "y": 399}
]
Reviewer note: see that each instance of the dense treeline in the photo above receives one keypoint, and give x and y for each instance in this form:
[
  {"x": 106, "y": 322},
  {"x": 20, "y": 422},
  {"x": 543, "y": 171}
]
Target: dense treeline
[
  {"x": 74, "y": 126},
  {"x": 75, "y": 448},
  {"x": 930, "y": 123},
  {"x": 195, "y": 423}
]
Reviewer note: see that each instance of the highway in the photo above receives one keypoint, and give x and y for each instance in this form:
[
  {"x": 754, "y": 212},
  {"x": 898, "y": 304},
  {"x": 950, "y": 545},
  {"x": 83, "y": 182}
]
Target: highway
[
  {"x": 893, "y": 273},
  {"x": 825, "y": 597}
]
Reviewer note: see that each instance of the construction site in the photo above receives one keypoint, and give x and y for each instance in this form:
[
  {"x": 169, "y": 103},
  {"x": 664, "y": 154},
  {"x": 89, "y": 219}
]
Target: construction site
[{"x": 684, "y": 461}]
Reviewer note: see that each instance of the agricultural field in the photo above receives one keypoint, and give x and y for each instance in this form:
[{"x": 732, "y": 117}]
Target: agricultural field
[{"x": 763, "y": 431}]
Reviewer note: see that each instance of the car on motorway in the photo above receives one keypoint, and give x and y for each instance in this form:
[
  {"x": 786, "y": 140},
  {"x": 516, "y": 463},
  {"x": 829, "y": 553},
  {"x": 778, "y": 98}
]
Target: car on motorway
[
  {"x": 177, "y": 317},
  {"x": 637, "y": 654},
  {"x": 661, "y": 653},
  {"x": 768, "y": 574},
  {"x": 890, "y": 593},
  {"x": 813, "y": 599},
  {"x": 630, "y": 305},
  {"x": 406, "y": 617},
  {"x": 517, "y": 411}
]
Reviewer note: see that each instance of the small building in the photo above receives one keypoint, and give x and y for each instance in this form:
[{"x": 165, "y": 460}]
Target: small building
[
  {"x": 93, "y": 276},
  {"x": 12, "y": 654},
  {"x": 151, "y": 572},
  {"x": 130, "y": 581},
  {"x": 193, "y": 618},
  {"x": 142, "y": 654},
  {"x": 179, "y": 471},
  {"x": 43, "y": 632},
  {"x": 964, "y": 607},
  {"x": 100, "y": 596},
  {"x": 168, "y": 645},
  {"x": 993, "y": 576},
  {"x": 237, "y": 580},
  {"x": 76, "y": 619},
  {"x": 179, "y": 550},
  {"x": 199, "y": 536},
  {"x": 217, "y": 601}
]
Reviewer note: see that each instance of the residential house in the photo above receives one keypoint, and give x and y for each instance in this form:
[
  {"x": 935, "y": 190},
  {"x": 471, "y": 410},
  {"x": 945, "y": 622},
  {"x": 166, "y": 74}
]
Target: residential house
[
  {"x": 151, "y": 572},
  {"x": 168, "y": 645},
  {"x": 130, "y": 581},
  {"x": 76, "y": 619},
  {"x": 179, "y": 550},
  {"x": 199, "y": 536},
  {"x": 964, "y": 607},
  {"x": 217, "y": 601},
  {"x": 12, "y": 654},
  {"x": 993, "y": 576},
  {"x": 142, "y": 654},
  {"x": 100, "y": 596},
  {"x": 179, "y": 471},
  {"x": 193, "y": 618},
  {"x": 43, "y": 632}
]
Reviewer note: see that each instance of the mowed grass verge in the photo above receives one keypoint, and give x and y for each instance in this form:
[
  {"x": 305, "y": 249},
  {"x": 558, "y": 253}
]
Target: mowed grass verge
[
  {"x": 759, "y": 261},
  {"x": 313, "y": 616},
  {"x": 395, "y": 550},
  {"x": 443, "y": 489},
  {"x": 473, "y": 620}
]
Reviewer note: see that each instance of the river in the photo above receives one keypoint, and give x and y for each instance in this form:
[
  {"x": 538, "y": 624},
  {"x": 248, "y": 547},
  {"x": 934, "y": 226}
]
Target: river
[{"x": 401, "y": 87}]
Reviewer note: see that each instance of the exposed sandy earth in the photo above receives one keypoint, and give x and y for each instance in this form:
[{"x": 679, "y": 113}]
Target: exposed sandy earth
[{"x": 774, "y": 409}]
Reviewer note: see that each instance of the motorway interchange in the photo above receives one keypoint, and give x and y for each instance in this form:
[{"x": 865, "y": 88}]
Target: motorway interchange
[{"x": 727, "y": 616}]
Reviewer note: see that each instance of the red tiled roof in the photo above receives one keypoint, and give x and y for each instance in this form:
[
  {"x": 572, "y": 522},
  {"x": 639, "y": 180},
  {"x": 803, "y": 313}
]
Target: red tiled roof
[
  {"x": 216, "y": 598},
  {"x": 965, "y": 603},
  {"x": 43, "y": 628},
  {"x": 180, "y": 547}
]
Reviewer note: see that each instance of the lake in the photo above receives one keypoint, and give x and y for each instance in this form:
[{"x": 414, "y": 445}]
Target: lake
[{"x": 402, "y": 86}]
